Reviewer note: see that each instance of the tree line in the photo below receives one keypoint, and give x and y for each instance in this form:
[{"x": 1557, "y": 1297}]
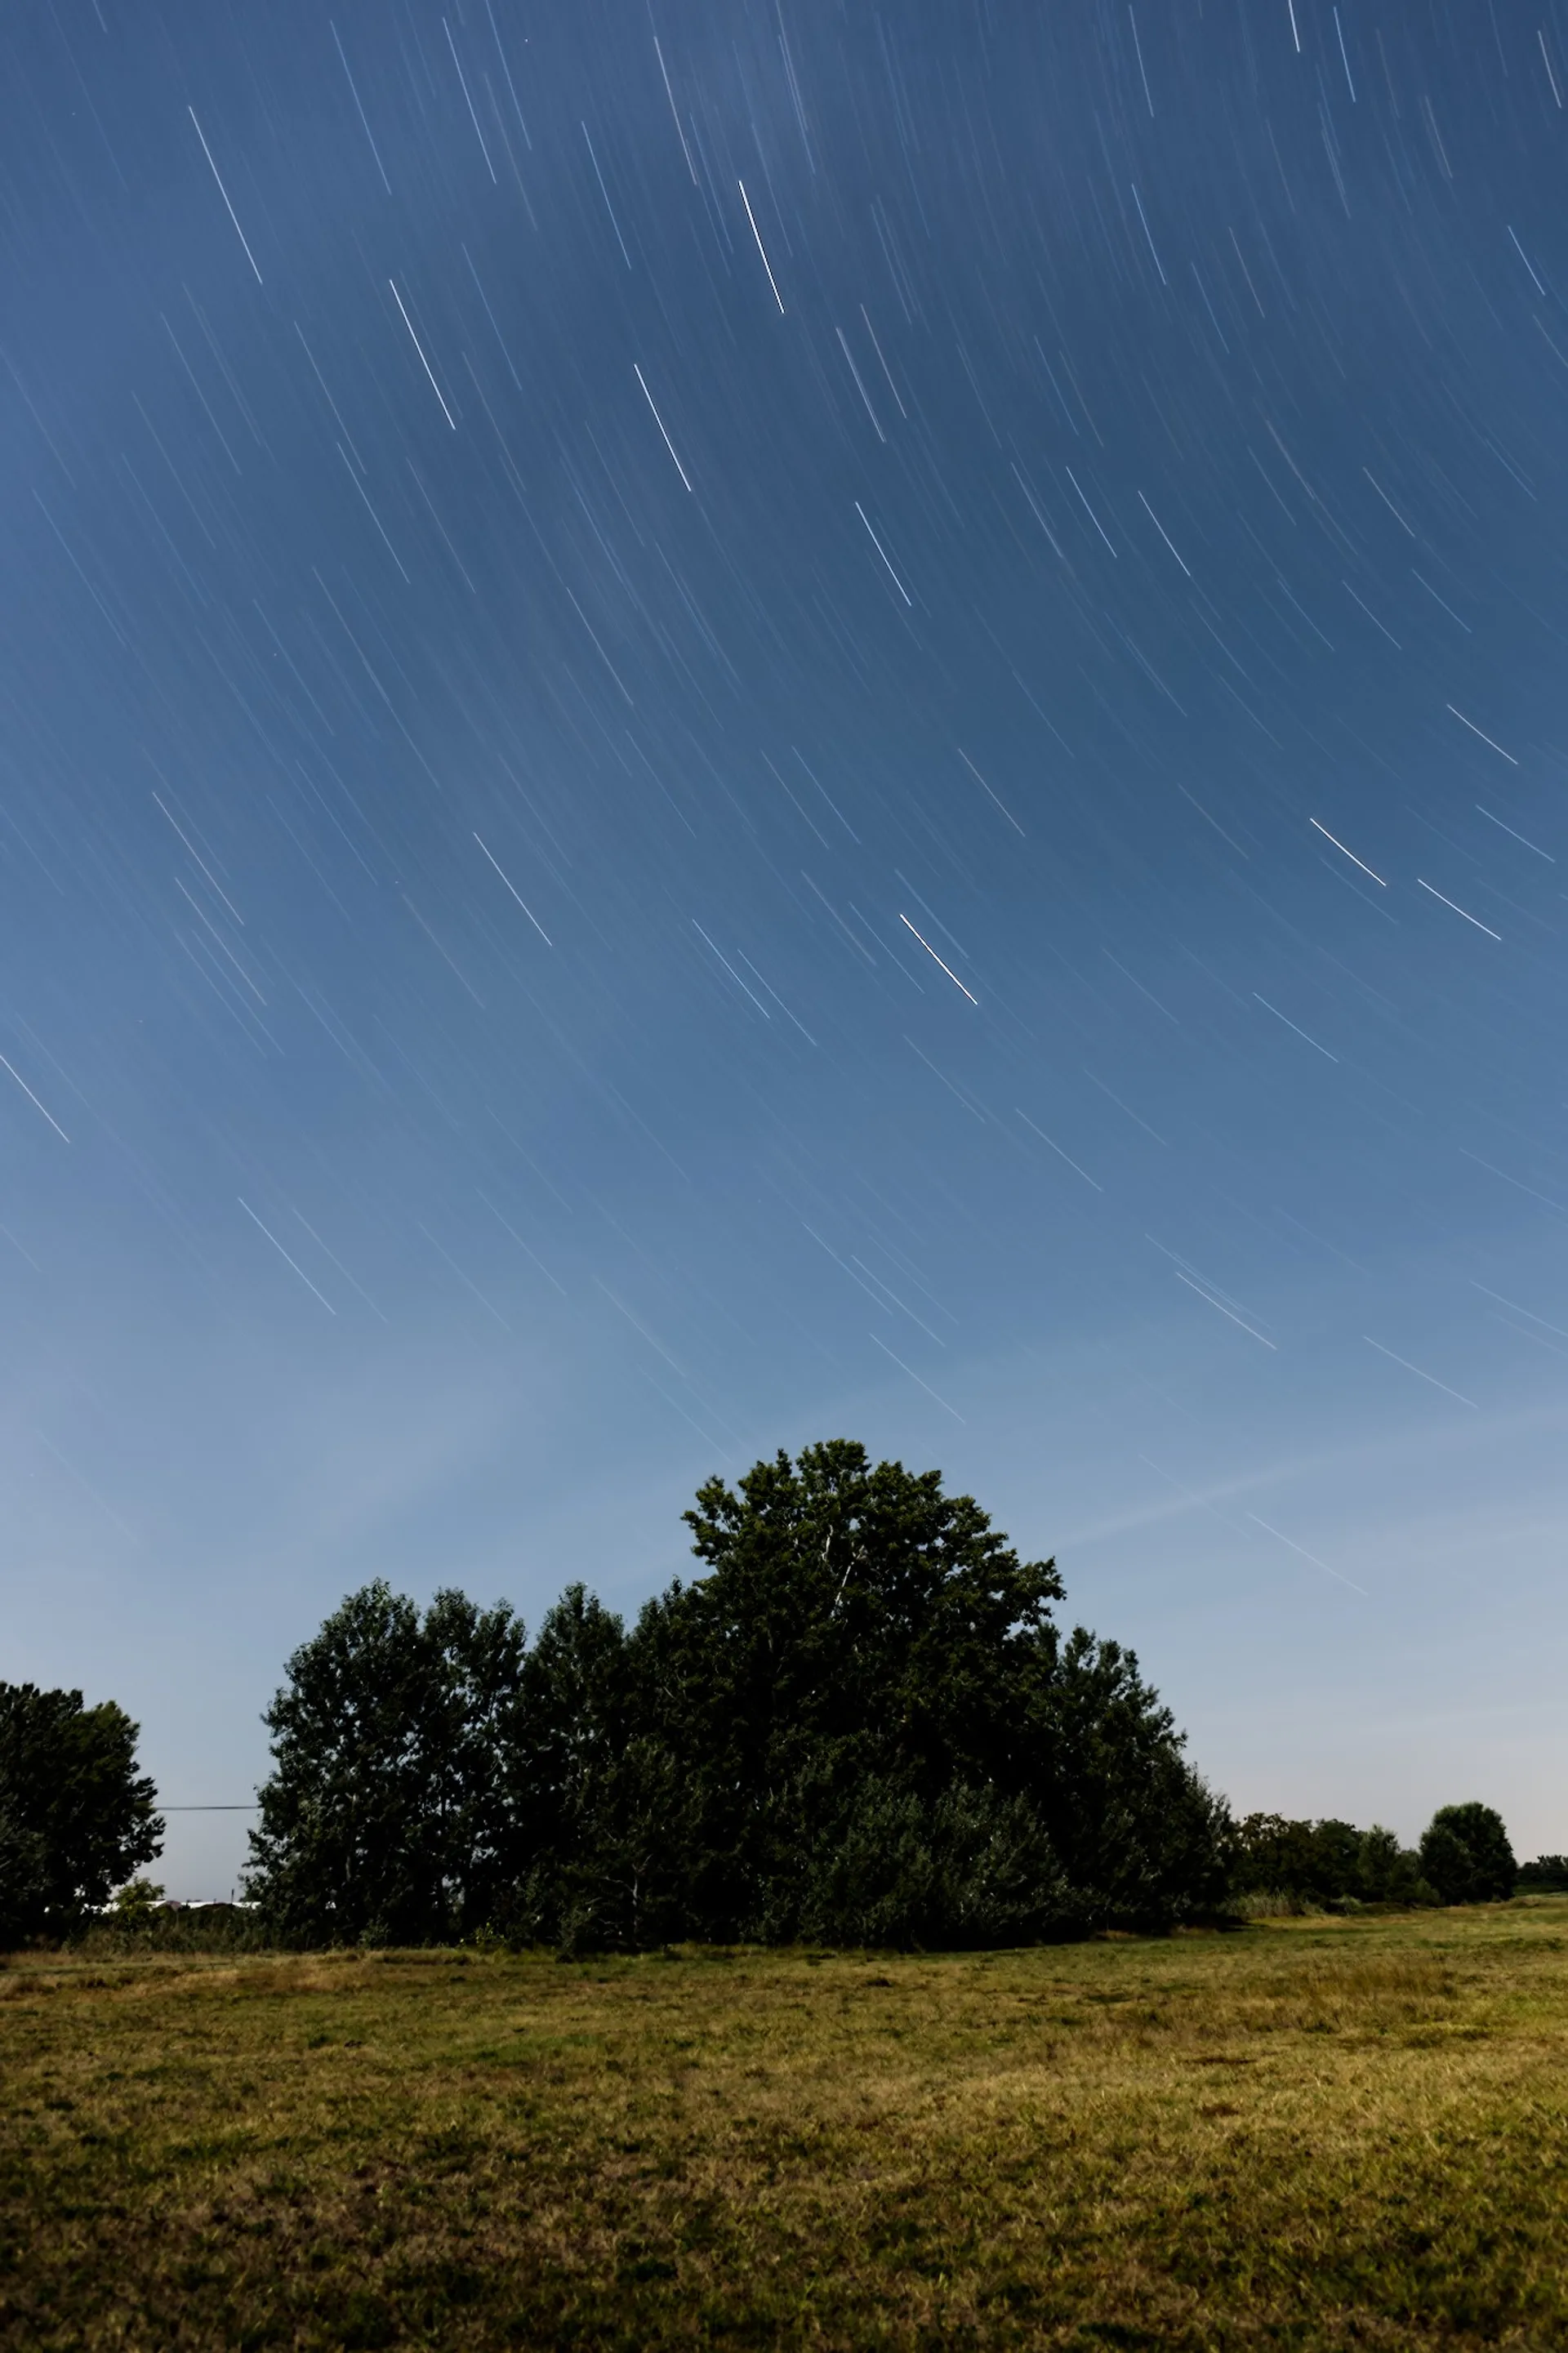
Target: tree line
[
  {"x": 1464, "y": 1857},
  {"x": 861, "y": 1724}
]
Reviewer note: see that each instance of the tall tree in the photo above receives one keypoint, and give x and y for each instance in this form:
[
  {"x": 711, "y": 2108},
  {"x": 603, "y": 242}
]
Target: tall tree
[
  {"x": 390, "y": 1815},
  {"x": 75, "y": 1818},
  {"x": 870, "y": 1669},
  {"x": 600, "y": 1810}
]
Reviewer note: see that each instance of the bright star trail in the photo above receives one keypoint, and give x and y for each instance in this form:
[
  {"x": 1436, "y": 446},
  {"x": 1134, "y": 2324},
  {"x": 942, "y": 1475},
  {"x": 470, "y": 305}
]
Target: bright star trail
[{"x": 661, "y": 673}]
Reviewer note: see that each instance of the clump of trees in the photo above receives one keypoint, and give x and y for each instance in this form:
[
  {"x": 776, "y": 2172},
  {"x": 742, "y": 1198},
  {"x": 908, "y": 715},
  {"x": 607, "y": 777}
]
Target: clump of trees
[
  {"x": 861, "y": 1725},
  {"x": 76, "y": 1819},
  {"x": 1464, "y": 1857},
  {"x": 1324, "y": 1862}
]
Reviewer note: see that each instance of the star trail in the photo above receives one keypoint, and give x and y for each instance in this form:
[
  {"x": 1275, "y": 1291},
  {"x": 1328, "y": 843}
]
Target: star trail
[{"x": 740, "y": 722}]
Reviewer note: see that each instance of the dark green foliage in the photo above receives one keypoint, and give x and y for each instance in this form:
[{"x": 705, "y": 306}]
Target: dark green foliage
[
  {"x": 1466, "y": 1856},
  {"x": 861, "y": 1725},
  {"x": 75, "y": 1820},
  {"x": 392, "y": 1813},
  {"x": 1275, "y": 1856},
  {"x": 1326, "y": 1862},
  {"x": 971, "y": 1868},
  {"x": 851, "y": 1659},
  {"x": 877, "y": 1734},
  {"x": 1547, "y": 1874},
  {"x": 1388, "y": 1873},
  {"x": 604, "y": 1810}
]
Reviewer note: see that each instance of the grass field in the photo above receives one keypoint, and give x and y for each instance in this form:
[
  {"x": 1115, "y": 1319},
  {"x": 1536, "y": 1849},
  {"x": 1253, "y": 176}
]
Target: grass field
[{"x": 1303, "y": 2133}]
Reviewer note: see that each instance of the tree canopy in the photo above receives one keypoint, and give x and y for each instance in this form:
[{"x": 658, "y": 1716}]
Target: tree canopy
[
  {"x": 1466, "y": 1856},
  {"x": 75, "y": 1818},
  {"x": 387, "y": 1815},
  {"x": 861, "y": 1722}
]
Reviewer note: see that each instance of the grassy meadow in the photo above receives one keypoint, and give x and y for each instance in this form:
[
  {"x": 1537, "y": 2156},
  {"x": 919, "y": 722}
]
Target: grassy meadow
[{"x": 1305, "y": 2134}]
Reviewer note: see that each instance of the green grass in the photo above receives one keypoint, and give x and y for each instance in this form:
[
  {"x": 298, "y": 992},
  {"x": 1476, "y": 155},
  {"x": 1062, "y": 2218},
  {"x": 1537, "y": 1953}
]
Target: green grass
[{"x": 1306, "y": 2133}]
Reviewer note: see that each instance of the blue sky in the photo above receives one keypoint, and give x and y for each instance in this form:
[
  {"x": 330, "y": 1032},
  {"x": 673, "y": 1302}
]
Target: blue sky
[{"x": 740, "y": 724}]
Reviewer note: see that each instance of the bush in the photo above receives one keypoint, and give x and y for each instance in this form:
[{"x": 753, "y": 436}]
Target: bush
[
  {"x": 136, "y": 1905},
  {"x": 173, "y": 1928}
]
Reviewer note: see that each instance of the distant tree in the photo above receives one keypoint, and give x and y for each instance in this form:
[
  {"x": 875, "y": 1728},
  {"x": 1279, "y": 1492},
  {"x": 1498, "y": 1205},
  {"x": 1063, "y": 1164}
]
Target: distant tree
[
  {"x": 1547, "y": 1874},
  {"x": 1276, "y": 1855},
  {"x": 1314, "y": 1862},
  {"x": 1338, "y": 1847},
  {"x": 1326, "y": 1862},
  {"x": 1466, "y": 1856},
  {"x": 75, "y": 1818},
  {"x": 1388, "y": 1873},
  {"x": 391, "y": 1814}
]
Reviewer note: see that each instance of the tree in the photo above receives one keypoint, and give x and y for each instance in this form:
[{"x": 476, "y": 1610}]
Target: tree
[
  {"x": 75, "y": 1818},
  {"x": 390, "y": 1816},
  {"x": 1388, "y": 1873},
  {"x": 136, "y": 1905},
  {"x": 866, "y": 1693},
  {"x": 600, "y": 1810},
  {"x": 1276, "y": 1855},
  {"x": 1466, "y": 1856},
  {"x": 1326, "y": 1862}
]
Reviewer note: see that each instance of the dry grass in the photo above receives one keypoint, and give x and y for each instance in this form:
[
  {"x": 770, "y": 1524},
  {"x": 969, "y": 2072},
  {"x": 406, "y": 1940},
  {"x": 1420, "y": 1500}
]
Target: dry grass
[{"x": 1307, "y": 2134}]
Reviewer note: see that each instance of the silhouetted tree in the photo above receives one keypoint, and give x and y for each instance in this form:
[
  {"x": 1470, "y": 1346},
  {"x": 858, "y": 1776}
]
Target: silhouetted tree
[
  {"x": 873, "y": 1718},
  {"x": 604, "y": 1812},
  {"x": 75, "y": 1817},
  {"x": 1466, "y": 1856},
  {"x": 390, "y": 1813}
]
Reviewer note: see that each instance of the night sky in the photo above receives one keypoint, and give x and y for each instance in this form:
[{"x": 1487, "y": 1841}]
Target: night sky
[{"x": 753, "y": 722}]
